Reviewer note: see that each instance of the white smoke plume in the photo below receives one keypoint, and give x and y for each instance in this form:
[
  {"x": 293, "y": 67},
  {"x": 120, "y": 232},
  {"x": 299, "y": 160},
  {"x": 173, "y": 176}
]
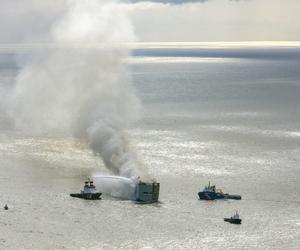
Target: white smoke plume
[{"x": 81, "y": 83}]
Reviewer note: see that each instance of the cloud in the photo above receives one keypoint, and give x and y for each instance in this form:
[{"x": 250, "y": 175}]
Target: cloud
[
  {"x": 215, "y": 20},
  {"x": 20, "y": 21},
  {"x": 170, "y": 1},
  {"x": 165, "y": 20},
  {"x": 175, "y": 1}
]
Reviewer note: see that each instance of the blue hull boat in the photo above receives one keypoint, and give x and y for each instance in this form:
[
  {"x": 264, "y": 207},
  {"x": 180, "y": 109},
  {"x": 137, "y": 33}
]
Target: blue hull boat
[{"x": 211, "y": 193}]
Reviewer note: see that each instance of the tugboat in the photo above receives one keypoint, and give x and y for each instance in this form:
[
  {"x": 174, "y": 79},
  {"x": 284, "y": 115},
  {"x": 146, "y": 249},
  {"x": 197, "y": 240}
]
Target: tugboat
[
  {"x": 235, "y": 219},
  {"x": 89, "y": 192},
  {"x": 211, "y": 193}
]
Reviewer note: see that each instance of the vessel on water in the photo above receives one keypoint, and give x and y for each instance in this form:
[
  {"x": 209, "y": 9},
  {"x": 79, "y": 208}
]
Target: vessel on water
[
  {"x": 211, "y": 193},
  {"x": 147, "y": 192},
  {"x": 235, "y": 219},
  {"x": 89, "y": 192}
]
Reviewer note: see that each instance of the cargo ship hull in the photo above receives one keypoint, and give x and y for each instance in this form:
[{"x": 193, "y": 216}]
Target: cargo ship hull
[{"x": 147, "y": 193}]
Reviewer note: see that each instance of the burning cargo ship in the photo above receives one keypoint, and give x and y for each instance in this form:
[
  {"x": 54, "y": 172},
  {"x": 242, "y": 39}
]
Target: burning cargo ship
[{"x": 147, "y": 192}]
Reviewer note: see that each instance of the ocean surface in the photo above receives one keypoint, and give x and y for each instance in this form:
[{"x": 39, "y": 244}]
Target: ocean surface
[{"x": 230, "y": 116}]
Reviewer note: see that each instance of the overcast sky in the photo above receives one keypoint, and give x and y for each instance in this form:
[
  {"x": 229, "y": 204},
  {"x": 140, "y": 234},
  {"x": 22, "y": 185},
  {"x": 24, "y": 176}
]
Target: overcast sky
[{"x": 168, "y": 20}]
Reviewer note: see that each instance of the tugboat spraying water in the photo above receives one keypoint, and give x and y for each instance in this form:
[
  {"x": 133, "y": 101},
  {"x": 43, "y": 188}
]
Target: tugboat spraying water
[
  {"x": 89, "y": 192},
  {"x": 135, "y": 189}
]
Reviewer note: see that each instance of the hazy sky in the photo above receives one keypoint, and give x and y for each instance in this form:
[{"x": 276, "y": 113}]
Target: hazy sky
[{"x": 168, "y": 20}]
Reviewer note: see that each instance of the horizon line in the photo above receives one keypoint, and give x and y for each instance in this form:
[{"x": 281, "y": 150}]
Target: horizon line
[{"x": 147, "y": 44}]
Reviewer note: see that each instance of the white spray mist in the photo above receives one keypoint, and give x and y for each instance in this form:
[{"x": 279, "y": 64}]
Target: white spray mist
[{"x": 81, "y": 84}]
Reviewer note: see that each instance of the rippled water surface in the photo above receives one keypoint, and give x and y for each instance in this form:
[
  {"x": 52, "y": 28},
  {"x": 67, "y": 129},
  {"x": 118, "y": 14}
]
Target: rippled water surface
[{"x": 234, "y": 121}]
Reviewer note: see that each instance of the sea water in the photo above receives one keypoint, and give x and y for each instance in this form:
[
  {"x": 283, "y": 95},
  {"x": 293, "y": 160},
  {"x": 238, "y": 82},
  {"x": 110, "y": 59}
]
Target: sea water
[{"x": 230, "y": 116}]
